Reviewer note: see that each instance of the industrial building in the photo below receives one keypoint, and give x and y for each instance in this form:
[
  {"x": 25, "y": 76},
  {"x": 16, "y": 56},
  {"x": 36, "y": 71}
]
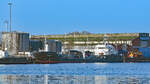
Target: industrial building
[
  {"x": 15, "y": 42},
  {"x": 142, "y": 41}
]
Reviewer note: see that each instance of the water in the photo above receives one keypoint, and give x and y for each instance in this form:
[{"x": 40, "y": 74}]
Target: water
[{"x": 79, "y": 73}]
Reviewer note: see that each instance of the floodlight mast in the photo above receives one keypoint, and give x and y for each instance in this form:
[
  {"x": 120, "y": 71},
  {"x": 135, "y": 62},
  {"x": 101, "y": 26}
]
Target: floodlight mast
[{"x": 10, "y": 10}]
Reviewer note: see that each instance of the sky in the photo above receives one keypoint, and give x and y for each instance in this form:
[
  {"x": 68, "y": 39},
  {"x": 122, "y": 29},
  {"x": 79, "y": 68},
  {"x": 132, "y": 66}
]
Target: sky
[{"x": 64, "y": 16}]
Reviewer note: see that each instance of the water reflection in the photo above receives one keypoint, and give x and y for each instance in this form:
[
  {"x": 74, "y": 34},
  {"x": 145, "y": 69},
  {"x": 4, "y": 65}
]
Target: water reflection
[
  {"x": 89, "y": 73},
  {"x": 50, "y": 79}
]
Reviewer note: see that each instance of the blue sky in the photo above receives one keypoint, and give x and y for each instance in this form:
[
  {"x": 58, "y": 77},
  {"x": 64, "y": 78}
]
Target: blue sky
[{"x": 63, "y": 16}]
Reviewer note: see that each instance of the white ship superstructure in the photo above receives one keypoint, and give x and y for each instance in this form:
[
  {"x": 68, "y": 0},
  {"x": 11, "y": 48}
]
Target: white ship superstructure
[{"x": 105, "y": 49}]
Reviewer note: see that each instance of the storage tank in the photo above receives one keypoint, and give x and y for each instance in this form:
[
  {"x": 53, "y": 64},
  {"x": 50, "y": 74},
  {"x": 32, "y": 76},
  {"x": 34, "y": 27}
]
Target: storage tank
[
  {"x": 36, "y": 45},
  {"x": 15, "y": 42},
  {"x": 55, "y": 46}
]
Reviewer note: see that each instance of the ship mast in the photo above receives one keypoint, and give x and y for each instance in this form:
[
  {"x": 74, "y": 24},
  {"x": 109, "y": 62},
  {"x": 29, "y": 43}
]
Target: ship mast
[
  {"x": 105, "y": 39},
  {"x": 45, "y": 45}
]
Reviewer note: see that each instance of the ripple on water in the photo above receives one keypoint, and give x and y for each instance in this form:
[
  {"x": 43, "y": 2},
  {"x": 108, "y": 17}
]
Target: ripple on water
[{"x": 101, "y": 69}]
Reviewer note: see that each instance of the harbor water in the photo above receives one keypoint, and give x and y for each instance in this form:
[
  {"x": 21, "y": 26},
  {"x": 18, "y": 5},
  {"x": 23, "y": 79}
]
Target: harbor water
[{"x": 76, "y": 73}]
